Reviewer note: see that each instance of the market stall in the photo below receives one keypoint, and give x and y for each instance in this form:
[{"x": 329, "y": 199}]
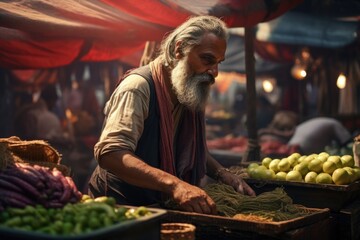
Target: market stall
[{"x": 61, "y": 33}]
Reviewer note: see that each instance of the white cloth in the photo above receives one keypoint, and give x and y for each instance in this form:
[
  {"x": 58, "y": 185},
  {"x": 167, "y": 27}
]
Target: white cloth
[{"x": 313, "y": 135}]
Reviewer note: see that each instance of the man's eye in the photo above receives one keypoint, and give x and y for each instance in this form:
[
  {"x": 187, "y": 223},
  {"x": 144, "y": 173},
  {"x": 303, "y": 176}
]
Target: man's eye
[{"x": 208, "y": 61}]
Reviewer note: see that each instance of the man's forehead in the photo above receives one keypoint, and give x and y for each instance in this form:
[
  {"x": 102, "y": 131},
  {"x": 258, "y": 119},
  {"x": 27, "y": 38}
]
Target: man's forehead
[{"x": 212, "y": 45}]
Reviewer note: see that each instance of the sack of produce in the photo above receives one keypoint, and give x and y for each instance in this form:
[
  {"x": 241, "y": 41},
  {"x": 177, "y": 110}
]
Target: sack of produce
[{"x": 34, "y": 152}]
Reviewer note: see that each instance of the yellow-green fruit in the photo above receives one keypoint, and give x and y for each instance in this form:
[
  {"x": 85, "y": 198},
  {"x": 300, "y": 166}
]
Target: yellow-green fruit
[
  {"x": 274, "y": 165},
  {"x": 281, "y": 176},
  {"x": 341, "y": 177},
  {"x": 351, "y": 173},
  {"x": 295, "y": 155},
  {"x": 270, "y": 175},
  {"x": 300, "y": 159},
  {"x": 284, "y": 165},
  {"x": 311, "y": 177},
  {"x": 335, "y": 159},
  {"x": 325, "y": 154},
  {"x": 310, "y": 157},
  {"x": 294, "y": 176},
  {"x": 302, "y": 168},
  {"x": 266, "y": 161},
  {"x": 347, "y": 161},
  {"x": 357, "y": 172},
  {"x": 252, "y": 165},
  {"x": 324, "y": 178},
  {"x": 262, "y": 172},
  {"x": 292, "y": 160},
  {"x": 322, "y": 158},
  {"x": 315, "y": 165},
  {"x": 329, "y": 167}
]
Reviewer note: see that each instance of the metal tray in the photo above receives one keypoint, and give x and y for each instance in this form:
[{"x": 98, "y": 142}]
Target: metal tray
[
  {"x": 314, "y": 195},
  {"x": 150, "y": 229}
]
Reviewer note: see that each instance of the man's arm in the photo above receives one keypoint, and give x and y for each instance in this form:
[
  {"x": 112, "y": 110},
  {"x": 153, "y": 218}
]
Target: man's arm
[
  {"x": 222, "y": 174},
  {"x": 133, "y": 170}
]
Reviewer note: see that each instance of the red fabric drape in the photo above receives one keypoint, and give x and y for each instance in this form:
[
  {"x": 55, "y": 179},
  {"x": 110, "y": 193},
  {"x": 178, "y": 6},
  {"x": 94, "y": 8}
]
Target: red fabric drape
[{"x": 52, "y": 33}]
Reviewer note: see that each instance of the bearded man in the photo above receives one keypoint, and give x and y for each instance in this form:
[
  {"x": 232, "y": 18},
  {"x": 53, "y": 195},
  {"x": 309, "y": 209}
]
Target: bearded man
[{"x": 152, "y": 147}]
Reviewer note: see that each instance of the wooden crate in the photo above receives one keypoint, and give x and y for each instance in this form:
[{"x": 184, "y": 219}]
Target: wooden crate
[
  {"x": 219, "y": 227},
  {"x": 313, "y": 195},
  {"x": 346, "y": 224}
]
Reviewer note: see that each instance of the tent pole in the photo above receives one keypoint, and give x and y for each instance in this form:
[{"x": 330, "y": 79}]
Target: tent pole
[{"x": 253, "y": 151}]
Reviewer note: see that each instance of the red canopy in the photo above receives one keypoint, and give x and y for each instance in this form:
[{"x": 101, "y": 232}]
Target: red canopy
[{"x": 53, "y": 33}]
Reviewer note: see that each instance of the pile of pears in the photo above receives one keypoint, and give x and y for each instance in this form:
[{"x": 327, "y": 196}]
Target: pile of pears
[{"x": 321, "y": 168}]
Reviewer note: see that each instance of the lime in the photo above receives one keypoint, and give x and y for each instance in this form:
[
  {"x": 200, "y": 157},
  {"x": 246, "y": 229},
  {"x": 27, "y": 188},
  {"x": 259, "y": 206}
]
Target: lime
[
  {"x": 324, "y": 178},
  {"x": 274, "y": 165},
  {"x": 284, "y": 165},
  {"x": 311, "y": 177},
  {"x": 266, "y": 161},
  {"x": 281, "y": 176},
  {"x": 341, "y": 177},
  {"x": 294, "y": 176},
  {"x": 347, "y": 161},
  {"x": 315, "y": 165},
  {"x": 329, "y": 167}
]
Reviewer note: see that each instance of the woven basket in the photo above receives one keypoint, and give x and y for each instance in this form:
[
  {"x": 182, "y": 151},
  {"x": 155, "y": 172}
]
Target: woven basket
[
  {"x": 36, "y": 152},
  {"x": 177, "y": 231}
]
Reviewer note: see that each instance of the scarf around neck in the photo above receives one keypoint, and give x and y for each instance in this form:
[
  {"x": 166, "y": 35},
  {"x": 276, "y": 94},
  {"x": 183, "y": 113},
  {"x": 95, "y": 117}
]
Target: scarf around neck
[{"x": 188, "y": 160}]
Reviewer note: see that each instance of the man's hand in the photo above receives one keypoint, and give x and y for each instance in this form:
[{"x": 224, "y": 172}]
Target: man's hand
[
  {"x": 193, "y": 199},
  {"x": 226, "y": 177}
]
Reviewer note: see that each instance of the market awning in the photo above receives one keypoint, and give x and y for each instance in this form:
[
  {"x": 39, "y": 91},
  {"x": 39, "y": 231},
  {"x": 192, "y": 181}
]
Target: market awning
[{"x": 52, "y": 33}]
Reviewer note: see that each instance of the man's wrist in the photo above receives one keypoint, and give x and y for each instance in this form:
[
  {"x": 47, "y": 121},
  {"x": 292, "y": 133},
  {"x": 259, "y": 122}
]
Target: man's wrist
[{"x": 219, "y": 172}]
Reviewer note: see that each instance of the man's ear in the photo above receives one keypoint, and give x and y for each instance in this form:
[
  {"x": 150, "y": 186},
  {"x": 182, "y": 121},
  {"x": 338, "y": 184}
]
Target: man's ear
[{"x": 178, "y": 50}]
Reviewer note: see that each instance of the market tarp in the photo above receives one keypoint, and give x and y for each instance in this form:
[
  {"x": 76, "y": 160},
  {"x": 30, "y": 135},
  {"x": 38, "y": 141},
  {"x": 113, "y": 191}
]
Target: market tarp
[
  {"x": 308, "y": 30},
  {"x": 235, "y": 58},
  {"x": 53, "y": 33}
]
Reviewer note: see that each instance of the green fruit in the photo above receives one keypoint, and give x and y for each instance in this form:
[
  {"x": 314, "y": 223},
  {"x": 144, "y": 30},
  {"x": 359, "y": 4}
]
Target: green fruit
[
  {"x": 274, "y": 165},
  {"x": 281, "y": 176},
  {"x": 302, "y": 168},
  {"x": 294, "y": 176},
  {"x": 295, "y": 155},
  {"x": 252, "y": 165},
  {"x": 266, "y": 161},
  {"x": 336, "y": 159},
  {"x": 341, "y": 177},
  {"x": 347, "y": 161},
  {"x": 315, "y": 165},
  {"x": 292, "y": 160},
  {"x": 324, "y": 178},
  {"x": 311, "y": 177},
  {"x": 329, "y": 167},
  {"x": 351, "y": 172},
  {"x": 284, "y": 165},
  {"x": 324, "y": 154},
  {"x": 357, "y": 173},
  {"x": 322, "y": 158}
]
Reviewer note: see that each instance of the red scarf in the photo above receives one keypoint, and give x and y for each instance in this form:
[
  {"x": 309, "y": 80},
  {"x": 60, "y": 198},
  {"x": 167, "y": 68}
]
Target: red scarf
[{"x": 189, "y": 161}]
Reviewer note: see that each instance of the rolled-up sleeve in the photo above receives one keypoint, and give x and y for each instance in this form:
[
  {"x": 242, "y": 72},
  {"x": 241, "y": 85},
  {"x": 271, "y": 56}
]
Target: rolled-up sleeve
[{"x": 125, "y": 113}]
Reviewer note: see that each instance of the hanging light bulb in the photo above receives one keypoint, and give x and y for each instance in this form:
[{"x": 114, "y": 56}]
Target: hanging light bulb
[
  {"x": 341, "y": 81},
  {"x": 267, "y": 86},
  {"x": 298, "y": 72}
]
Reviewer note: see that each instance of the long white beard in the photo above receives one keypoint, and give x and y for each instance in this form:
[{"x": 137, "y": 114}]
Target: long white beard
[{"x": 192, "y": 90}]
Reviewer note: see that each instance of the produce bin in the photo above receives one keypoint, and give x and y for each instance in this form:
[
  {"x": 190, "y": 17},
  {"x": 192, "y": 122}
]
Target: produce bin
[
  {"x": 143, "y": 228},
  {"x": 313, "y": 195},
  {"x": 219, "y": 227}
]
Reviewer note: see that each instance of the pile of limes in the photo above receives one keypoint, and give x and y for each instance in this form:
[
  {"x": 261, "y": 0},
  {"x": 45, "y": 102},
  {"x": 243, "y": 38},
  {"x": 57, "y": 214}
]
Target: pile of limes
[{"x": 315, "y": 168}]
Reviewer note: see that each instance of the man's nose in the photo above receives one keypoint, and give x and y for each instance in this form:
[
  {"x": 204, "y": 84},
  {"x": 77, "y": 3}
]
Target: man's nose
[{"x": 214, "y": 71}]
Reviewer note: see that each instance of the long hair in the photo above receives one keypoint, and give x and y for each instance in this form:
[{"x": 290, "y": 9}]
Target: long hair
[{"x": 190, "y": 34}]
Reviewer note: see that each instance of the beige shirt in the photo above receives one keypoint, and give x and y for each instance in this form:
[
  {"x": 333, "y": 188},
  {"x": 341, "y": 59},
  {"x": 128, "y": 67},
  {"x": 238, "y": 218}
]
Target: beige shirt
[{"x": 125, "y": 113}]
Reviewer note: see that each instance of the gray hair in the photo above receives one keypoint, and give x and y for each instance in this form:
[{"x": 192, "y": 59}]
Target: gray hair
[{"x": 190, "y": 34}]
